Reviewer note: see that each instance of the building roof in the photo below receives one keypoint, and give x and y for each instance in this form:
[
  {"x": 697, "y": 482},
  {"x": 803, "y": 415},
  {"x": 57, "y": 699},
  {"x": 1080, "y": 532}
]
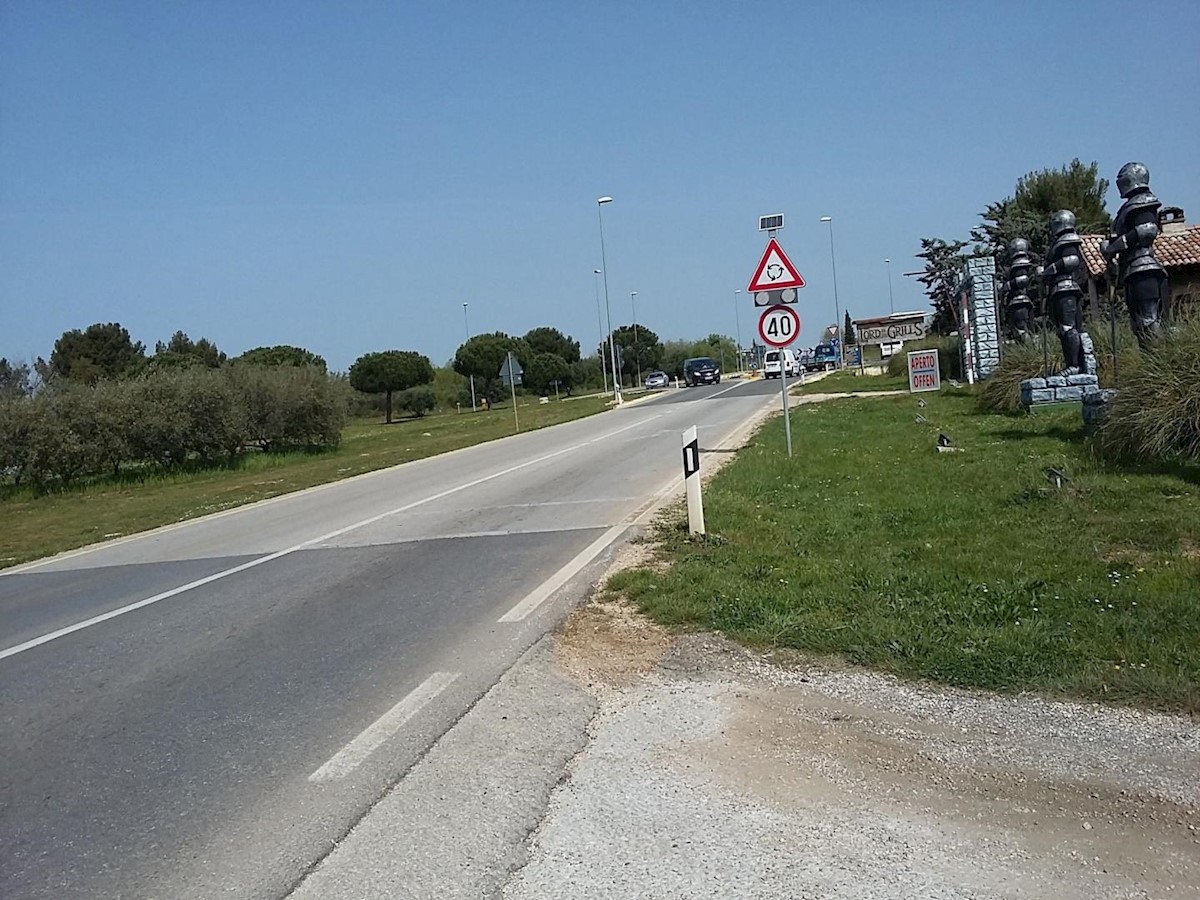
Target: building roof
[{"x": 1174, "y": 249}]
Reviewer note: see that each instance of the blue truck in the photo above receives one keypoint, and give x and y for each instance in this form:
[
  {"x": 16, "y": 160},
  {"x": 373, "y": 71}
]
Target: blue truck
[{"x": 824, "y": 356}]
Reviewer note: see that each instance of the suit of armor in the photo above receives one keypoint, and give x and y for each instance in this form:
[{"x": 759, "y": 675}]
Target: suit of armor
[
  {"x": 1139, "y": 273},
  {"x": 1063, "y": 260},
  {"x": 1016, "y": 289}
]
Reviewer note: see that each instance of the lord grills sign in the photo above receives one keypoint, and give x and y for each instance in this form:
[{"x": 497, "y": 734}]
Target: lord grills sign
[{"x": 892, "y": 332}]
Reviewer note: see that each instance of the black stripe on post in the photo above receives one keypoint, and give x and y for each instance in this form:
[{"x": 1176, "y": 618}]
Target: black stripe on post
[{"x": 691, "y": 458}]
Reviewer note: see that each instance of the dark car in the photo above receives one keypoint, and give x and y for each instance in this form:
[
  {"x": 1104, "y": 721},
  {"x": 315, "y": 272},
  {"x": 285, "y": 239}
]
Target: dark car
[
  {"x": 701, "y": 370},
  {"x": 657, "y": 380}
]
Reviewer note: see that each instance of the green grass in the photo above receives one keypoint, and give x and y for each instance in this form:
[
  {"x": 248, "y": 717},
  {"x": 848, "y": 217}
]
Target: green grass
[
  {"x": 968, "y": 568},
  {"x": 40, "y": 525},
  {"x": 850, "y": 381}
]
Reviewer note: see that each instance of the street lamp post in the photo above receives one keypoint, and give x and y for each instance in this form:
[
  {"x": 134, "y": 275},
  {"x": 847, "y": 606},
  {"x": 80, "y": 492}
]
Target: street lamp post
[
  {"x": 738, "y": 321},
  {"x": 612, "y": 348},
  {"x": 837, "y": 307},
  {"x": 600, "y": 324},
  {"x": 891, "y": 302},
  {"x": 467, "y": 325},
  {"x": 637, "y": 350}
]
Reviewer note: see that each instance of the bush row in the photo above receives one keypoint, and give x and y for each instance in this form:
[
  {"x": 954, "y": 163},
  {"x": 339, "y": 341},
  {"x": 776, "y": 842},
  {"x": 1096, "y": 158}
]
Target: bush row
[{"x": 166, "y": 419}]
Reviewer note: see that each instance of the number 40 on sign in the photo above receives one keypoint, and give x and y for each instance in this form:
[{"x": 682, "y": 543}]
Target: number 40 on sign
[{"x": 779, "y": 326}]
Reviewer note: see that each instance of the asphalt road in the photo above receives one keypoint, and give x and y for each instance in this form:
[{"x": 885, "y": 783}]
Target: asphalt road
[{"x": 207, "y": 708}]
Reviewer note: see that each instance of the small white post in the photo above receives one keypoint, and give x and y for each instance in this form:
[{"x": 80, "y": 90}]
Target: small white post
[{"x": 691, "y": 478}]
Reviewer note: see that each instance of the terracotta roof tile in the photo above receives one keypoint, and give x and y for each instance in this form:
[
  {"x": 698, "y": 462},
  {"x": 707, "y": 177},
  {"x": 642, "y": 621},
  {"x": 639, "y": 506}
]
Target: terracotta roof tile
[{"x": 1174, "y": 250}]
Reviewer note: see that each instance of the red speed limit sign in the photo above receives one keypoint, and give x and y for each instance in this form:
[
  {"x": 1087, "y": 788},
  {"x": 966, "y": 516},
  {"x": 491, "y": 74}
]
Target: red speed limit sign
[{"x": 779, "y": 326}]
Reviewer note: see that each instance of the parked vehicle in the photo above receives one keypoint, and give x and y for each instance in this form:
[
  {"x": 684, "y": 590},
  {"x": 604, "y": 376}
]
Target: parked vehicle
[
  {"x": 824, "y": 357},
  {"x": 776, "y": 358},
  {"x": 656, "y": 380},
  {"x": 700, "y": 370}
]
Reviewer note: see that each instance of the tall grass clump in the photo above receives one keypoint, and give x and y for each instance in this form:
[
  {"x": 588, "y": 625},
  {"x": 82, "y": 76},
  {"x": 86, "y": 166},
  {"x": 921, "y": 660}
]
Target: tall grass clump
[
  {"x": 1001, "y": 392},
  {"x": 1156, "y": 412},
  {"x": 1128, "y": 355}
]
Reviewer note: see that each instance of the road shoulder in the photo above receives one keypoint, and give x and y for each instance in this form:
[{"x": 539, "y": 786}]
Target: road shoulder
[{"x": 722, "y": 772}]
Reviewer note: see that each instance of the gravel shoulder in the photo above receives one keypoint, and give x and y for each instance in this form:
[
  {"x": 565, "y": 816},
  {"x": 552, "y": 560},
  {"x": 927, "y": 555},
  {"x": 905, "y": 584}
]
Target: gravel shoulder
[{"x": 717, "y": 772}]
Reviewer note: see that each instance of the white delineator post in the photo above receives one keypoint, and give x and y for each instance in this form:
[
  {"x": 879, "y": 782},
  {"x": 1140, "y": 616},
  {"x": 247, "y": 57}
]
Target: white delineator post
[{"x": 691, "y": 478}]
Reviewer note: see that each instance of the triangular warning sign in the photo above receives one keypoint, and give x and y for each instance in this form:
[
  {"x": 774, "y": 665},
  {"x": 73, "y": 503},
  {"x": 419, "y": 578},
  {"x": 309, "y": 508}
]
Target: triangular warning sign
[{"x": 775, "y": 271}]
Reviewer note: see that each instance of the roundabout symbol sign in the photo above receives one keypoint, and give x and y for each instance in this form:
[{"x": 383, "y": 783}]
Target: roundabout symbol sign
[{"x": 779, "y": 325}]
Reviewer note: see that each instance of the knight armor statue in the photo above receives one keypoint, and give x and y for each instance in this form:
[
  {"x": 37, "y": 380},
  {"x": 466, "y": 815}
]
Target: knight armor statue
[
  {"x": 1139, "y": 272},
  {"x": 1063, "y": 260},
  {"x": 1016, "y": 289}
]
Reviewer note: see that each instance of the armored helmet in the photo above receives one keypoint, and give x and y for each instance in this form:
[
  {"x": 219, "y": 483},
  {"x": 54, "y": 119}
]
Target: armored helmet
[
  {"x": 1061, "y": 222},
  {"x": 1018, "y": 252},
  {"x": 1133, "y": 175}
]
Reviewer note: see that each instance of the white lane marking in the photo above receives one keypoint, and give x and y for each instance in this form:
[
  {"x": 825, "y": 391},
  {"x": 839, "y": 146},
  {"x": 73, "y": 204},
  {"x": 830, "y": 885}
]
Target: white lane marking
[
  {"x": 726, "y": 391},
  {"x": 217, "y": 576},
  {"x": 547, "y": 588},
  {"x": 351, "y": 756},
  {"x": 469, "y": 535},
  {"x": 568, "y": 502}
]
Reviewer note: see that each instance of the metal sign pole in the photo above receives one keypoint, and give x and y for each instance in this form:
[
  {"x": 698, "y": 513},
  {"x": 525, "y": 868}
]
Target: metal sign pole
[
  {"x": 1112, "y": 319},
  {"x": 512, "y": 383},
  {"x": 787, "y": 419}
]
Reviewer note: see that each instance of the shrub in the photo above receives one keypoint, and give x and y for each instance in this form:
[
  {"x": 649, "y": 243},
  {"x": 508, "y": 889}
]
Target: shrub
[
  {"x": 1156, "y": 412},
  {"x": 56, "y": 451},
  {"x": 255, "y": 387},
  {"x": 416, "y": 401},
  {"x": 289, "y": 407},
  {"x": 214, "y": 416},
  {"x": 109, "y": 424},
  {"x": 311, "y": 409},
  {"x": 16, "y": 420},
  {"x": 160, "y": 436}
]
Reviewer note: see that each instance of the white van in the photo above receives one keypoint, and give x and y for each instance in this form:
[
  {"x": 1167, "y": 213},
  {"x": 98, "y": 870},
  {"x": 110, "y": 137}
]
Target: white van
[{"x": 771, "y": 363}]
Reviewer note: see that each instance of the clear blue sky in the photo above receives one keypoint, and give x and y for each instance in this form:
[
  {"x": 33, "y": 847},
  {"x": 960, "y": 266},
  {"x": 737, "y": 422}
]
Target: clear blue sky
[{"x": 343, "y": 176}]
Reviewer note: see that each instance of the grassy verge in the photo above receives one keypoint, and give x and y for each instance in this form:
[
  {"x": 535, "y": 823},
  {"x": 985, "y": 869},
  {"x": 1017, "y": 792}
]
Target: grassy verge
[
  {"x": 850, "y": 381},
  {"x": 969, "y": 568},
  {"x": 37, "y": 526}
]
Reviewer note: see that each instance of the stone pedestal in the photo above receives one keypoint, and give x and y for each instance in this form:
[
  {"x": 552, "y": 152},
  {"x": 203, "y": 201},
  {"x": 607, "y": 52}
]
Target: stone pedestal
[
  {"x": 1095, "y": 407},
  {"x": 1057, "y": 389}
]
